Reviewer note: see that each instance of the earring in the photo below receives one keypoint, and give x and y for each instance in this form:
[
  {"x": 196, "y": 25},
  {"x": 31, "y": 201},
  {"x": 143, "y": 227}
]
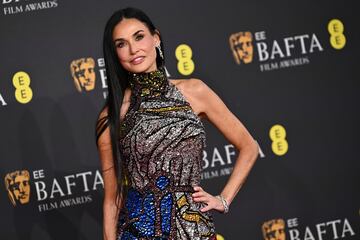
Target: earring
[{"x": 160, "y": 52}]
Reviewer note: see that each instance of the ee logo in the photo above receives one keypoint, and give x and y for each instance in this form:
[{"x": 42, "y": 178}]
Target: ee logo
[
  {"x": 185, "y": 64},
  {"x": 23, "y": 92},
  {"x": 279, "y": 144},
  {"x": 336, "y": 30}
]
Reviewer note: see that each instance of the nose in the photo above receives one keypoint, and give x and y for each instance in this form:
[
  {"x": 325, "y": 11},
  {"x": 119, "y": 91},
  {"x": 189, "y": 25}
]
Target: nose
[
  {"x": 88, "y": 73},
  {"x": 133, "y": 48},
  {"x": 21, "y": 188}
]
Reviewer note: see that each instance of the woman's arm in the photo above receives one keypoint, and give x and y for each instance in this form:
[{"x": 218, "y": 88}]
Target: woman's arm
[
  {"x": 214, "y": 109},
  {"x": 110, "y": 210}
]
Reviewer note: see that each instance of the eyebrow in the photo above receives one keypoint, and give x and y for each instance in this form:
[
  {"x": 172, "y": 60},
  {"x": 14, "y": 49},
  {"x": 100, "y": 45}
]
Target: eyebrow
[{"x": 119, "y": 39}]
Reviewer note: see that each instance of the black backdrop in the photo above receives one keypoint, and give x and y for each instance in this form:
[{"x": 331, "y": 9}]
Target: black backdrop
[{"x": 300, "y": 103}]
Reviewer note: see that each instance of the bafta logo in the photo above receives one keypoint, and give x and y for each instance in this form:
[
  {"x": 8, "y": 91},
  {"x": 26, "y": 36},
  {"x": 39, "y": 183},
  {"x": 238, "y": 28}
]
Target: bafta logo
[
  {"x": 18, "y": 187},
  {"x": 82, "y": 71},
  {"x": 274, "y": 230},
  {"x": 241, "y": 46}
]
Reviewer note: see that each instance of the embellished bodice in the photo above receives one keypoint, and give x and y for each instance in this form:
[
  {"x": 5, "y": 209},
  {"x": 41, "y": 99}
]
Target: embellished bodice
[
  {"x": 152, "y": 92},
  {"x": 161, "y": 146}
]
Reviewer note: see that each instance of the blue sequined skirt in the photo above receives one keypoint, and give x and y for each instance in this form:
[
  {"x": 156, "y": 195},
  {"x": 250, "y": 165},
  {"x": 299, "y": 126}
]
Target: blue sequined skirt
[{"x": 163, "y": 211}]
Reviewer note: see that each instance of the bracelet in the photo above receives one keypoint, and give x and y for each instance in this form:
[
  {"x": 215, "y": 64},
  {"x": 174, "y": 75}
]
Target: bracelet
[{"x": 224, "y": 202}]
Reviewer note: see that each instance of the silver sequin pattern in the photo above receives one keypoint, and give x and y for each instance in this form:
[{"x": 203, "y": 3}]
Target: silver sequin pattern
[{"x": 162, "y": 136}]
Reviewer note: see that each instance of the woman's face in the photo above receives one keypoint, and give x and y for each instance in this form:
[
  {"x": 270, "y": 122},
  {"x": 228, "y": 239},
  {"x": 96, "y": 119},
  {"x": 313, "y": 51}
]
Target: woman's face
[{"x": 135, "y": 46}]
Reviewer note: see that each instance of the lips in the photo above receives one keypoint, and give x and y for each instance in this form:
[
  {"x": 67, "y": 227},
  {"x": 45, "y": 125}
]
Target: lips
[
  {"x": 137, "y": 60},
  {"x": 23, "y": 196}
]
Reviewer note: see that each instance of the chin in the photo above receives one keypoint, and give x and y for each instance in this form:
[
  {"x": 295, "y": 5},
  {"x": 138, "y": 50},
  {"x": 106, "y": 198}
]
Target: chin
[{"x": 138, "y": 68}]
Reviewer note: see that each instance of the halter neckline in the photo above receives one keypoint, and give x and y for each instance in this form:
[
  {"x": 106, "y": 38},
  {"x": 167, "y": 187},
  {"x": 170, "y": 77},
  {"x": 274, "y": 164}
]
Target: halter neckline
[{"x": 149, "y": 84}]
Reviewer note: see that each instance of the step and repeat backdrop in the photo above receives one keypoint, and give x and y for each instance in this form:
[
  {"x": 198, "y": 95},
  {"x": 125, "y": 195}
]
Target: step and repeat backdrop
[{"x": 287, "y": 70}]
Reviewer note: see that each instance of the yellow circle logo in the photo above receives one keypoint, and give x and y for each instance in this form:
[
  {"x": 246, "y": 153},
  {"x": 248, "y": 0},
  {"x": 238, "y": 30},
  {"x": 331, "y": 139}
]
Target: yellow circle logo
[
  {"x": 23, "y": 92},
  {"x": 185, "y": 64},
  {"x": 279, "y": 144},
  {"x": 336, "y": 30}
]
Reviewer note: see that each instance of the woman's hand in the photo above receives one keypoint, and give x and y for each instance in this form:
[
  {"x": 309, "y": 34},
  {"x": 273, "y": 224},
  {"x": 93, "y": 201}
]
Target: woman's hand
[{"x": 211, "y": 201}]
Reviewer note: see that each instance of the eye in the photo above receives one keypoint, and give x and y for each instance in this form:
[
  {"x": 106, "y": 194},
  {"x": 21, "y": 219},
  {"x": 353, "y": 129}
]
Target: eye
[
  {"x": 80, "y": 73},
  {"x": 120, "y": 44},
  {"x": 139, "y": 37},
  {"x": 15, "y": 186}
]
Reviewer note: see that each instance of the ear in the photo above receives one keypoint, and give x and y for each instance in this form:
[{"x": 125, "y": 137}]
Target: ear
[{"x": 157, "y": 37}]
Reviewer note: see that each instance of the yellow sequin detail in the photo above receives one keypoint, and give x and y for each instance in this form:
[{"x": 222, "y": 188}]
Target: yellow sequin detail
[
  {"x": 182, "y": 201},
  {"x": 163, "y": 109}
]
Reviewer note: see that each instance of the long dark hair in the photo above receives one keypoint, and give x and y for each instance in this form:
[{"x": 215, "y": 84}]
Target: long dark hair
[{"x": 117, "y": 82}]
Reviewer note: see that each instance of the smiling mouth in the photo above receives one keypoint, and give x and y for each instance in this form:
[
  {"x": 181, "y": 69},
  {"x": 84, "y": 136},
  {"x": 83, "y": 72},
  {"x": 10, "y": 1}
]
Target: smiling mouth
[{"x": 137, "y": 60}]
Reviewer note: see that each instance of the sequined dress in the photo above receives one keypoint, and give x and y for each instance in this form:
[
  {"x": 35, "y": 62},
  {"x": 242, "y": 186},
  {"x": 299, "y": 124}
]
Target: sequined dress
[{"x": 161, "y": 146}]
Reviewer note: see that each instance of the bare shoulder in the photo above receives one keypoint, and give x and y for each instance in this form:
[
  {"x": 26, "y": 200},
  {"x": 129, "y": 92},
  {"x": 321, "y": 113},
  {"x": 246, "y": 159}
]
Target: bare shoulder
[
  {"x": 102, "y": 129},
  {"x": 187, "y": 83},
  {"x": 193, "y": 90},
  {"x": 127, "y": 94},
  {"x": 193, "y": 86},
  {"x": 125, "y": 103},
  {"x": 123, "y": 108},
  {"x": 103, "y": 113}
]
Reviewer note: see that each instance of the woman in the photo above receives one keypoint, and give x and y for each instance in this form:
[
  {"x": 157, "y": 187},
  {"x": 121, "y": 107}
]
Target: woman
[{"x": 150, "y": 140}]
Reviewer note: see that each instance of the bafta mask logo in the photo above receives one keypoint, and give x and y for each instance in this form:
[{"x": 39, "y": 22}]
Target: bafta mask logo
[
  {"x": 241, "y": 46},
  {"x": 274, "y": 230},
  {"x": 82, "y": 71},
  {"x": 18, "y": 187}
]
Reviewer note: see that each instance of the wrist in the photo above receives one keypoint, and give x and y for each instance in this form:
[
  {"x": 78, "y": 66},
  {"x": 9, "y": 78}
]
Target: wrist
[{"x": 224, "y": 203}]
